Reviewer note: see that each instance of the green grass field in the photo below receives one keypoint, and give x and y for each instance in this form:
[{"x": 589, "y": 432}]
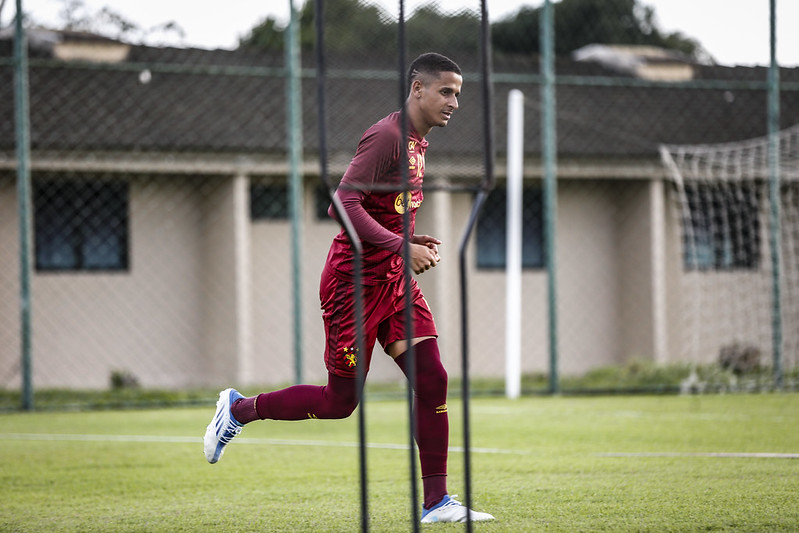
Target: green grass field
[{"x": 631, "y": 463}]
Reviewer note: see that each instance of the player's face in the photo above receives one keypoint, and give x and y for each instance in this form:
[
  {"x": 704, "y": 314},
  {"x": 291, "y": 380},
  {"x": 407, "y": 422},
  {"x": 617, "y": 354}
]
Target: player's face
[{"x": 438, "y": 98}]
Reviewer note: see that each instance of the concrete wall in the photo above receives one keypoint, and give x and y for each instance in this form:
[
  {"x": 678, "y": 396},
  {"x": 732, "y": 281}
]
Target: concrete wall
[{"x": 208, "y": 297}]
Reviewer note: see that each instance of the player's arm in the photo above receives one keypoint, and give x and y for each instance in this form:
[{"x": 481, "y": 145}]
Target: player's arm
[
  {"x": 377, "y": 151},
  {"x": 423, "y": 248},
  {"x": 368, "y": 228}
]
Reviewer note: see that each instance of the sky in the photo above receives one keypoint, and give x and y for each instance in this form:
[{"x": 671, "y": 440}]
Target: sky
[{"x": 734, "y": 32}]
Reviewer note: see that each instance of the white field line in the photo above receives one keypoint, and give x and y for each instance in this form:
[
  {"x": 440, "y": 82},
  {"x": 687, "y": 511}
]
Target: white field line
[
  {"x": 739, "y": 455},
  {"x": 61, "y": 437}
]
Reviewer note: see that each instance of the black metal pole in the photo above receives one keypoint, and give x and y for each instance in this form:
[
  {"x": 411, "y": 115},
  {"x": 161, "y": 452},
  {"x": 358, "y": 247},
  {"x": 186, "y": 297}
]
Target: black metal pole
[
  {"x": 410, "y": 354},
  {"x": 357, "y": 254},
  {"x": 485, "y": 188}
]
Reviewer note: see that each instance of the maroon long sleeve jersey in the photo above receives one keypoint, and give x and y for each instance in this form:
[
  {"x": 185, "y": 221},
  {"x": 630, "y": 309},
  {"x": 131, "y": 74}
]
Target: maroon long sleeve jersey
[{"x": 371, "y": 193}]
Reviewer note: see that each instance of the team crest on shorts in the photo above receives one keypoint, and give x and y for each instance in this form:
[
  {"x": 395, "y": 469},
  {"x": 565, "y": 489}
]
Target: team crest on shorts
[{"x": 351, "y": 356}]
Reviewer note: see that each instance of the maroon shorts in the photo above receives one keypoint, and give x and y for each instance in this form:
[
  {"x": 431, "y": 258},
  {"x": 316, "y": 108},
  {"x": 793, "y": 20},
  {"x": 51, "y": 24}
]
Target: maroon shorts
[{"x": 384, "y": 319}]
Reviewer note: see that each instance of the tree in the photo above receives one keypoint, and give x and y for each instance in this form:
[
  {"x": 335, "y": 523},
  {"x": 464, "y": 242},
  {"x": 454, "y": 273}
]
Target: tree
[
  {"x": 359, "y": 27},
  {"x": 349, "y": 27},
  {"x": 353, "y": 26},
  {"x": 426, "y": 27},
  {"x": 266, "y": 35},
  {"x": 581, "y": 22},
  {"x": 75, "y": 15},
  {"x": 578, "y": 23}
]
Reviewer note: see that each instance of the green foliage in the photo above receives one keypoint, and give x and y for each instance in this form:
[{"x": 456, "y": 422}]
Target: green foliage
[
  {"x": 517, "y": 34},
  {"x": 267, "y": 35},
  {"x": 636, "y": 376},
  {"x": 357, "y": 27},
  {"x": 115, "y": 398},
  {"x": 425, "y": 31},
  {"x": 538, "y": 464},
  {"x": 349, "y": 27},
  {"x": 578, "y": 23},
  {"x": 76, "y": 16},
  {"x": 122, "y": 379}
]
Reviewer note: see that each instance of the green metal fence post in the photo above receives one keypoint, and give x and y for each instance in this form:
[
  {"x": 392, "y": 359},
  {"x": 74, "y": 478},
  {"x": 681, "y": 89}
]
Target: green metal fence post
[
  {"x": 775, "y": 226},
  {"x": 549, "y": 156},
  {"x": 22, "y": 117},
  {"x": 294, "y": 89}
]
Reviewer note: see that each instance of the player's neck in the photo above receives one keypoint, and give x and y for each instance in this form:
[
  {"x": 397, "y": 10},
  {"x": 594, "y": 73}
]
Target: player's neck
[{"x": 415, "y": 118}]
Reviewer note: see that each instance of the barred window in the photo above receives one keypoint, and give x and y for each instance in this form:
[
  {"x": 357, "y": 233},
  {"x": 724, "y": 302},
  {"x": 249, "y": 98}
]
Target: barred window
[
  {"x": 269, "y": 201},
  {"x": 492, "y": 230},
  {"x": 80, "y": 224},
  {"x": 724, "y": 227},
  {"x": 322, "y": 202}
]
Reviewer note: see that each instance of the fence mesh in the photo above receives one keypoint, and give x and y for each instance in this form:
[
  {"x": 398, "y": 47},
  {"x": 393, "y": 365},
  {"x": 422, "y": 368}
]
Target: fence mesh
[{"x": 162, "y": 227}]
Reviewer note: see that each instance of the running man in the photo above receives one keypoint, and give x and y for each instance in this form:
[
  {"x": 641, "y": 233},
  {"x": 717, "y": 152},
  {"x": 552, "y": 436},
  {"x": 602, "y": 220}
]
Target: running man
[{"x": 370, "y": 192}]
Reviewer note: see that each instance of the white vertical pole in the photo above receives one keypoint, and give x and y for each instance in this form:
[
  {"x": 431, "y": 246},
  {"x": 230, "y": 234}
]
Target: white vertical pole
[
  {"x": 657, "y": 192},
  {"x": 513, "y": 264},
  {"x": 243, "y": 278}
]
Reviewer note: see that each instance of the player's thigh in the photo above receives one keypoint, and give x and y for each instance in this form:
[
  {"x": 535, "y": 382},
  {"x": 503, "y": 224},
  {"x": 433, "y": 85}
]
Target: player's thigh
[
  {"x": 394, "y": 328},
  {"x": 341, "y": 329}
]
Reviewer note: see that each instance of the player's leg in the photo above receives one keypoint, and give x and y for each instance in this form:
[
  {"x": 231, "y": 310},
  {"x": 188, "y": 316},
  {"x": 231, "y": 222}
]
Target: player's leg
[
  {"x": 337, "y": 399},
  {"x": 432, "y": 422},
  {"x": 430, "y": 408},
  {"x": 430, "y": 405}
]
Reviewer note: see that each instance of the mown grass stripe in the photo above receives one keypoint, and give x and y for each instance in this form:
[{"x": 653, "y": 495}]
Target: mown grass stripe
[{"x": 59, "y": 437}]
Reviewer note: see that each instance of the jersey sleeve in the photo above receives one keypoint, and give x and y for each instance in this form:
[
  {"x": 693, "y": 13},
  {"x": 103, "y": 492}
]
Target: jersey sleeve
[
  {"x": 378, "y": 151},
  {"x": 367, "y": 228}
]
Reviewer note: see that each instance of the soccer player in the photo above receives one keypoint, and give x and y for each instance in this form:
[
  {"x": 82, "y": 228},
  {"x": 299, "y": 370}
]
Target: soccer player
[{"x": 371, "y": 193}]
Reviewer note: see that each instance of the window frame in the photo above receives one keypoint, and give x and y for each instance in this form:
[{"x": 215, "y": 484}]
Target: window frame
[
  {"x": 74, "y": 215},
  {"x": 707, "y": 247},
  {"x": 491, "y": 235}
]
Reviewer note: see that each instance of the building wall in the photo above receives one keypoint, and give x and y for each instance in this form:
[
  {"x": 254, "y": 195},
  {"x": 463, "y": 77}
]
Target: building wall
[
  {"x": 208, "y": 297},
  {"x": 704, "y": 311},
  {"x": 9, "y": 284},
  {"x": 604, "y": 284},
  {"x": 636, "y": 249},
  {"x": 273, "y": 343},
  {"x": 145, "y": 321}
]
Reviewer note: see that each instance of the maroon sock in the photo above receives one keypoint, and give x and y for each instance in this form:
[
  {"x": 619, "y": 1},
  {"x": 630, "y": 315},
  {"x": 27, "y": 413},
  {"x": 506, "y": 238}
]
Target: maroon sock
[
  {"x": 337, "y": 399},
  {"x": 243, "y": 410},
  {"x": 432, "y": 421},
  {"x": 434, "y": 489}
]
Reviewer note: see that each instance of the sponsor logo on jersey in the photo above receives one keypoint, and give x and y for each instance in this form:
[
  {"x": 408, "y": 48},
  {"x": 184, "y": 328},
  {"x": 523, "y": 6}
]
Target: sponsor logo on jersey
[
  {"x": 405, "y": 198},
  {"x": 415, "y": 161},
  {"x": 441, "y": 409}
]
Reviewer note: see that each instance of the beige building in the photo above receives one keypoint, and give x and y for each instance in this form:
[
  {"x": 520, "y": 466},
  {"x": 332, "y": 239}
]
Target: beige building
[{"x": 162, "y": 245}]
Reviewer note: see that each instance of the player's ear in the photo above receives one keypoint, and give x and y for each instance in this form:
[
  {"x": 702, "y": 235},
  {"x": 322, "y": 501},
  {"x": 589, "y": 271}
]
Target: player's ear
[{"x": 416, "y": 88}]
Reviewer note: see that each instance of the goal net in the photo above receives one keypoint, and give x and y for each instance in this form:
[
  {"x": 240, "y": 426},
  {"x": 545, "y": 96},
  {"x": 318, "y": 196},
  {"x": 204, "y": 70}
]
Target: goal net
[{"x": 731, "y": 305}]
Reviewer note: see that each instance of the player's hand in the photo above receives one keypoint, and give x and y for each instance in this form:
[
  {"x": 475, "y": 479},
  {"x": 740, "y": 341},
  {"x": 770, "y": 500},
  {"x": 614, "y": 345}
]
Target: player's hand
[{"x": 424, "y": 253}]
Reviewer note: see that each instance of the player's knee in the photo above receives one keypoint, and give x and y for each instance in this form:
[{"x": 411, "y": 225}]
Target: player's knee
[
  {"x": 439, "y": 378},
  {"x": 341, "y": 398},
  {"x": 340, "y": 407}
]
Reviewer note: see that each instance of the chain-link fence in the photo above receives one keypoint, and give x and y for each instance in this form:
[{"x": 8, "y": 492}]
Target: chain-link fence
[{"x": 162, "y": 231}]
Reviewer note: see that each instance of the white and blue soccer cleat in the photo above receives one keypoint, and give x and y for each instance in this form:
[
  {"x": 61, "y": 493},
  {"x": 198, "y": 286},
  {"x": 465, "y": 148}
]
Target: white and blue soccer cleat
[
  {"x": 451, "y": 510},
  {"x": 223, "y": 426}
]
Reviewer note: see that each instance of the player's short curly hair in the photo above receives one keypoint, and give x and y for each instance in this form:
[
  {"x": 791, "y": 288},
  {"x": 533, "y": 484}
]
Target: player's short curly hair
[{"x": 433, "y": 64}]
